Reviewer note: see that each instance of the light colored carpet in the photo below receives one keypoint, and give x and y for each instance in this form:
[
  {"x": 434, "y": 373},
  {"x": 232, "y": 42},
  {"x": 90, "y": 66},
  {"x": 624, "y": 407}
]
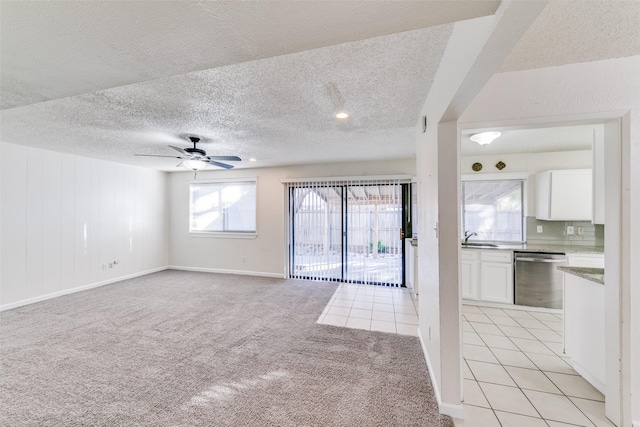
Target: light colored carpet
[{"x": 195, "y": 349}]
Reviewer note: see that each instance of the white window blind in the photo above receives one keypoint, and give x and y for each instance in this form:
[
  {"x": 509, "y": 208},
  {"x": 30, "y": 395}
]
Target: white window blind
[{"x": 223, "y": 207}]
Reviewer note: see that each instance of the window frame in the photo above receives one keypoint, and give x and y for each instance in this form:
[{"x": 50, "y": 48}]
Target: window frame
[
  {"x": 523, "y": 177},
  {"x": 224, "y": 234}
]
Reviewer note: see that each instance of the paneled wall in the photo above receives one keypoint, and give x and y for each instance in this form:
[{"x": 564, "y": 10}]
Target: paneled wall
[{"x": 64, "y": 217}]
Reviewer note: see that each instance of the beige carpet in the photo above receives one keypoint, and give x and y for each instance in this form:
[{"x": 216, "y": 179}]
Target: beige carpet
[{"x": 196, "y": 349}]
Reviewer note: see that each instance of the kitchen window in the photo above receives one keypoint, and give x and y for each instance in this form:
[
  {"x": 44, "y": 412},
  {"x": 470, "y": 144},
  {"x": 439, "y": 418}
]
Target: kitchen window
[
  {"x": 223, "y": 207},
  {"x": 493, "y": 210}
]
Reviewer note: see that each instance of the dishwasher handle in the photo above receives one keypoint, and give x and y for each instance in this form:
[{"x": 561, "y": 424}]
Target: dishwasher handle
[{"x": 540, "y": 260}]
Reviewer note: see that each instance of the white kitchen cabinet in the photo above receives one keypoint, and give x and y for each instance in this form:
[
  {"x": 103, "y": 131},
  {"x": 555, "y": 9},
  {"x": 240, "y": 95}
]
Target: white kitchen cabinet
[
  {"x": 469, "y": 266},
  {"x": 496, "y": 276},
  {"x": 564, "y": 195},
  {"x": 585, "y": 260},
  {"x": 584, "y": 328},
  {"x": 487, "y": 275}
]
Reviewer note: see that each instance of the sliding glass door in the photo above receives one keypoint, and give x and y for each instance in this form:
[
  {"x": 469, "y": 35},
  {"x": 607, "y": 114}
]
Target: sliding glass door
[{"x": 350, "y": 232}]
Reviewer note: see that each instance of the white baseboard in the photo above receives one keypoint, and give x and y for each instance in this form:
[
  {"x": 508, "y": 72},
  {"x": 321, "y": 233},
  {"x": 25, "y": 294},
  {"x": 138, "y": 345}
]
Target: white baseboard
[
  {"x": 635, "y": 423},
  {"x": 454, "y": 411},
  {"x": 591, "y": 379},
  {"x": 78, "y": 289},
  {"x": 222, "y": 271}
]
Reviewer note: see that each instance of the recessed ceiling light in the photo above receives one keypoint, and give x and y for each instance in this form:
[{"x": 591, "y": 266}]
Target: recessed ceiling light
[
  {"x": 252, "y": 159},
  {"x": 342, "y": 115},
  {"x": 485, "y": 138}
]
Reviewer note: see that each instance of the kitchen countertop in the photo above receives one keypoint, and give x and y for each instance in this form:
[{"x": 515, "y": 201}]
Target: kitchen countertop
[
  {"x": 565, "y": 249},
  {"x": 592, "y": 274}
]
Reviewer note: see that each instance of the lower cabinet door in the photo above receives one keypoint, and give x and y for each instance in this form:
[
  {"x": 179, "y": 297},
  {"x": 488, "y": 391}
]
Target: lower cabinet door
[
  {"x": 469, "y": 273},
  {"x": 496, "y": 282}
]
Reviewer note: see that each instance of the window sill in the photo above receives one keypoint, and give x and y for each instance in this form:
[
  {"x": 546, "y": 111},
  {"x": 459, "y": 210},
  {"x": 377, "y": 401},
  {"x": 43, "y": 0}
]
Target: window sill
[{"x": 222, "y": 235}]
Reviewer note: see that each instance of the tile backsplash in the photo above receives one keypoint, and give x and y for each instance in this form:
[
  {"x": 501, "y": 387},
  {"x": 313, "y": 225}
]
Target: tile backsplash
[{"x": 555, "y": 233}]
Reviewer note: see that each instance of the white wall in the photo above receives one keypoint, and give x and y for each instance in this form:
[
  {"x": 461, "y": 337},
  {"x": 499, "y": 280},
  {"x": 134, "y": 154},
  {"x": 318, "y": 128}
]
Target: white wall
[
  {"x": 595, "y": 90},
  {"x": 63, "y": 216},
  {"x": 266, "y": 254},
  {"x": 530, "y": 163}
]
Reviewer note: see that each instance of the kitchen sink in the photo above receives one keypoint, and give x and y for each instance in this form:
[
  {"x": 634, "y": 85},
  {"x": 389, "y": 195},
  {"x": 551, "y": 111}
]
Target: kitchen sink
[{"x": 479, "y": 245}]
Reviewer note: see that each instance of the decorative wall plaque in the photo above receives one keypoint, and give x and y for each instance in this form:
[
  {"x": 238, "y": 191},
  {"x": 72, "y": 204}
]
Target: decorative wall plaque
[
  {"x": 500, "y": 165},
  {"x": 477, "y": 167}
]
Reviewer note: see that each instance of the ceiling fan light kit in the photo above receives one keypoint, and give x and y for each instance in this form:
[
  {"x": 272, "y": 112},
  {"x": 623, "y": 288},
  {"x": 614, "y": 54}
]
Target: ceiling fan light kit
[
  {"x": 194, "y": 165},
  {"x": 485, "y": 138}
]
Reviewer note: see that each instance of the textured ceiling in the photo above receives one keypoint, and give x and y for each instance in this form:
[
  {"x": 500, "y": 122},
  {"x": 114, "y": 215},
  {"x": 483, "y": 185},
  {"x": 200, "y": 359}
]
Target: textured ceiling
[
  {"x": 564, "y": 138},
  {"x": 54, "y": 49},
  {"x": 253, "y": 79},
  {"x": 280, "y": 110},
  {"x": 573, "y": 31},
  {"x": 258, "y": 79}
]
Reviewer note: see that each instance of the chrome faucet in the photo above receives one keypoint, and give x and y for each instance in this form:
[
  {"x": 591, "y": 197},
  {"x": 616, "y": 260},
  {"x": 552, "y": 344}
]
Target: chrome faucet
[{"x": 468, "y": 234}]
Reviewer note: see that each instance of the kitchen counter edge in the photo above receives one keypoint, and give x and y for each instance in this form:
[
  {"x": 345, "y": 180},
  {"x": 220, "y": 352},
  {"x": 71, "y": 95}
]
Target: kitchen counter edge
[
  {"x": 544, "y": 248},
  {"x": 592, "y": 274}
]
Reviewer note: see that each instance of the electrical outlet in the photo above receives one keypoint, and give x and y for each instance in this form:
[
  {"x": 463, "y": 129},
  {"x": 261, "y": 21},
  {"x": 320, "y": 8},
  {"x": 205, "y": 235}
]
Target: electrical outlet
[
  {"x": 539, "y": 229},
  {"x": 570, "y": 230},
  {"x": 104, "y": 266},
  {"x": 110, "y": 265},
  {"x": 580, "y": 231}
]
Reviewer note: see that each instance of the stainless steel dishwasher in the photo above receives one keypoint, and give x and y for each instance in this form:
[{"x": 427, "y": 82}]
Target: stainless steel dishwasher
[{"x": 538, "y": 283}]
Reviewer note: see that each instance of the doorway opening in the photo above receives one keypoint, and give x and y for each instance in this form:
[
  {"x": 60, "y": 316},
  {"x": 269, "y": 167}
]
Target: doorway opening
[
  {"x": 534, "y": 148},
  {"x": 350, "y": 232}
]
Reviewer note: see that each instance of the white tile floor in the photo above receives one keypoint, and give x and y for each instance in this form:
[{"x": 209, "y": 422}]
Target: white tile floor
[
  {"x": 372, "y": 308},
  {"x": 515, "y": 373}
]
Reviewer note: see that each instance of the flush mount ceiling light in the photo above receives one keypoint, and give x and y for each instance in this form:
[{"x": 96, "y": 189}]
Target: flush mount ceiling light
[
  {"x": 342, "y": 115},
  {"x": 485, "y": 138},
  {"x": 194, "y": 165},
  {"x": 252, "y": 159}
]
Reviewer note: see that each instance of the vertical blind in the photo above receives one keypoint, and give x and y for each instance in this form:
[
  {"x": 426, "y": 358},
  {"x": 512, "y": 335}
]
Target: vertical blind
[{"x": 346, "y": 231}]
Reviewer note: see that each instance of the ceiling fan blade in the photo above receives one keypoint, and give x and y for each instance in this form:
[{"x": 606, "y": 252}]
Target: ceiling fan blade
[
  {"x": 226, "y": 158},
  {"x": 156, "y": 155},
  {"x": 222, "y": 165},
  {"x": 181, "y": 151}
]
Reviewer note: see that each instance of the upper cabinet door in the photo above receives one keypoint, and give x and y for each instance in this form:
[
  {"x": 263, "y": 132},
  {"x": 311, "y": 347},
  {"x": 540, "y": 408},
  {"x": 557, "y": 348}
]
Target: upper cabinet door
[
  {"x": 564, "y": 195},
  {"x": 571, "y": 194}
]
